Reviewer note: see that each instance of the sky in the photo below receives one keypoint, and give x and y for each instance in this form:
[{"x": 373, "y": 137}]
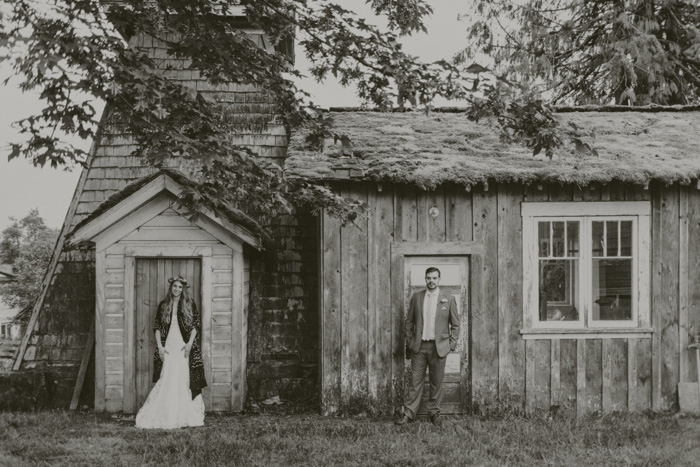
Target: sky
[{"x": 24, "y": 187}]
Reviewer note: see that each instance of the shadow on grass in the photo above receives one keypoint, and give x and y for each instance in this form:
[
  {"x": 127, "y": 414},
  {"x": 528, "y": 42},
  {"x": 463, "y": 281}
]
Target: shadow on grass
[{"x": 61, "y": 438}]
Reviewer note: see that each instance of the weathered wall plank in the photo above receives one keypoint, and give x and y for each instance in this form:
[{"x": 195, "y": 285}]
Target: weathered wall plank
[
  {"x": 511, "y": 347},
  {"x": 354, "y": 378},
  {"x": 331, "y": 316},
  {"x": 692, "y": 324},
  {"x": 594, "y": 374},
  {"x": 484, "y": 320},
  {"x": 567, "y": 376},
  {"x": 665, "y": 259},
  {"x": 380, "y": 322}
]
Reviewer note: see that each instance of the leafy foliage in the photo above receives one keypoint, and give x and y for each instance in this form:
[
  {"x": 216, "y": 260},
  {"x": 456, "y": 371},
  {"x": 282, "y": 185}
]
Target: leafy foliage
[
  {"x": 35, "y": 245},
  {"x": 10, "y": 242},
  {"x": 600, "y": 51},
  {"x": 77, "y": 52}
]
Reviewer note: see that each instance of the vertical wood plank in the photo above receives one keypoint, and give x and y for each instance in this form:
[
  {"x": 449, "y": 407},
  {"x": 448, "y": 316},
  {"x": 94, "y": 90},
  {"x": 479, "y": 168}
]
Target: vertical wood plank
[
  {"x": 484, "y": 318},
  {"x": 665, "y": 283},
  {"x": 331, "y": 319},
  {"x": 617, "y": 191},
  {"x": 422, "y": 217},
  {"x": 591, "y": 192},
  {"x": 558, "y": 192},
  {"x": 683, "y": 292},
  {"x": 511, "y": 347},
  {"x": 594, "y": 374},
  {"x": 543, "y": 373},
  {"x": 379, "y": 302},
  {"x": 374, "y": 330},
  {"x": 620, "y": 383},
  {"x": 567, "y": 379},
  {"x": 158, "y": 287},
  {"x": 632, "y": 375},
  {"x": 645, "y": 376},
  {"x": 201, "y": 274},
  {"x": 607, "y": 376},
  {"x": 530, "y": 370},
  {"x": 437, "y": 226},
  {"x": 354, "y": 377},
  {"x": 459, "y": 214},
  {"x": 409, "y": 215},
  {"x": 238, "y": 337},
  {"x": 555, "y": 382},
  {"x": 693, "y": 277},
  {"x": 100, "y": 376},
  {"x": 129, "y": 335},
  {"x": 398, "y": 320},
  {"x": 581, "y": 405}
]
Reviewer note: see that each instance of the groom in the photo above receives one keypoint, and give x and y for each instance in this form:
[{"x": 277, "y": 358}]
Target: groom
[{"x": 432, "y": 331}]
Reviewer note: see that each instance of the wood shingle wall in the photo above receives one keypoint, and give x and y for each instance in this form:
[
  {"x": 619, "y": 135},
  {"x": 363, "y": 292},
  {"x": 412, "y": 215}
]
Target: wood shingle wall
[
  {"x": 361, "y": 329},
  {"x": 61, "y": 326}
]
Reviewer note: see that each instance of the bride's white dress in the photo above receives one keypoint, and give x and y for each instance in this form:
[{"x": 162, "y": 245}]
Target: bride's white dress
[{"x": 170, "y": 404}]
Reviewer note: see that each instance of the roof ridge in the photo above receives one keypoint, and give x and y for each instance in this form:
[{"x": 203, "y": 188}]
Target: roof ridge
[{"x": 652, "y": 108}]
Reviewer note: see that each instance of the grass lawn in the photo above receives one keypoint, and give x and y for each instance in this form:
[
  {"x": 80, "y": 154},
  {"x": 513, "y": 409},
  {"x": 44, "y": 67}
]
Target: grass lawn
[{"x": 62, "y": 438}]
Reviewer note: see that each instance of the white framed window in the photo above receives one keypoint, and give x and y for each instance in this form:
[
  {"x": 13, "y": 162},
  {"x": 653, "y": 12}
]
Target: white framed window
[{"x": 586, "y": 265}]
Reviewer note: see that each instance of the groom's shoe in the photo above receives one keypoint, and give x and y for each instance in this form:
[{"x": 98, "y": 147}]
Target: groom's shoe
[
  {"x": 435, "y": 419},
  {"x": 405, "y": 419}
]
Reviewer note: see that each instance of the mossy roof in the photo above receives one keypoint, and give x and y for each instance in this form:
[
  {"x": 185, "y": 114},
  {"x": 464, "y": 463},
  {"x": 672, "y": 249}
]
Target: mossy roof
[{"x": 640, "y": 146}]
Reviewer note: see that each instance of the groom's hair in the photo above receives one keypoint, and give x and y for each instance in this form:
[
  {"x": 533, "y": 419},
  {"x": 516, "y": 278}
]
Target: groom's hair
[{"x": 432, "y": 269}]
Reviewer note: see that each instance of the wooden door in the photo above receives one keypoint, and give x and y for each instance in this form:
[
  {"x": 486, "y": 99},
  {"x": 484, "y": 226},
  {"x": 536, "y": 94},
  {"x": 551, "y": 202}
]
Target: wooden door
[
  {"x": 454, "y": 277},
  {"x": 151, "y": 286}
]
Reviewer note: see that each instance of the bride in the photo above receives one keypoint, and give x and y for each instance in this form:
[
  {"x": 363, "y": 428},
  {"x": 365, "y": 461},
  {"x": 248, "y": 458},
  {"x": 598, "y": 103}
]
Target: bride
[{"x": 178, "y": 370}]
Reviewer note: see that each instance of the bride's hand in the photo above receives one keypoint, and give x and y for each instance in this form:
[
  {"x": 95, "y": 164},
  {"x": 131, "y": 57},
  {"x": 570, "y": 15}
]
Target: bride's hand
[
  {"x": 187, "y": 347},
  {"x": 162, "y": 352}
]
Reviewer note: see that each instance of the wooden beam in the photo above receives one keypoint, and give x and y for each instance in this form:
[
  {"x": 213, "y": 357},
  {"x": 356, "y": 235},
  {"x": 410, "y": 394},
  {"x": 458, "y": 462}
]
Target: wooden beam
[
  {"x": 55, "y": 256},
  {"x": 77, "y": 389}
]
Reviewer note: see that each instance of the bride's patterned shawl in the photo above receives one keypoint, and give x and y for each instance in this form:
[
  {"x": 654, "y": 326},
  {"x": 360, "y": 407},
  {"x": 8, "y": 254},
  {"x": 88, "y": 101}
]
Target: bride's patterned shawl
[{"x": 196, "y": 364}]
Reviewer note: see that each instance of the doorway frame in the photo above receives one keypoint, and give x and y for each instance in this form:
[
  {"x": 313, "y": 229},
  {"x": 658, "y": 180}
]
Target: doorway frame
[
  {"x": 474, "y": 252},
  {"x": 204, "y": 254}
]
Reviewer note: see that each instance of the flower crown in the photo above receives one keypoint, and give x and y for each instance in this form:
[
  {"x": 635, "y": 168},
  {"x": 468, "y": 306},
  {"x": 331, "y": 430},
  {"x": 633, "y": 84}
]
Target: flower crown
[{"x": 179, "y": 279}]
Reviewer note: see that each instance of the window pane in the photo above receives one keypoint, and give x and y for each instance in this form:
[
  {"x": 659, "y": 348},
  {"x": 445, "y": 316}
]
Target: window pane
[
  {"x": 543, "y": 239},
  {"x": 597, "y": 241},
  {"x": 626, "y": 238},
  {"x": 612, "y": 289},
  {"x": 611, "y": 236},
  {"x": 558, "y": 239},
  {"x": 572, "y": 238},
  {"x": 558, "y": 290}
]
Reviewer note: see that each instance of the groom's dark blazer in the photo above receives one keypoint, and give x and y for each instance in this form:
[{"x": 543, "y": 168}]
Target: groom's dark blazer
[{"x": 446, "y": 323}]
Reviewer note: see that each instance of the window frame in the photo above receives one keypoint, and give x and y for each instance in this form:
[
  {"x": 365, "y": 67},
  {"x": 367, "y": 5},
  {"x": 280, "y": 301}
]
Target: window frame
[{"x": 639, "y": 212}]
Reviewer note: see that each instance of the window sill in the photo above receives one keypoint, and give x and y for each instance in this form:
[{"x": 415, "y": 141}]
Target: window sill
[{"x": 610, "y": 333}]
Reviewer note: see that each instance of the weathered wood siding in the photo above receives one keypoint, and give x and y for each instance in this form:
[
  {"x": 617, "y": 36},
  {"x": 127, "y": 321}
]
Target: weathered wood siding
[
  {"x": 362, "y": 341},
  {"x": 120, "y": 370}
]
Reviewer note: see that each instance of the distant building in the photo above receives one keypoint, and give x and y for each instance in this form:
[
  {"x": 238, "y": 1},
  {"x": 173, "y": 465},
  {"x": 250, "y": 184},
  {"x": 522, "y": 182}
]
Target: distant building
[
  {"x": 6, "y": 273},
  {"x": 8, "y": 330}
]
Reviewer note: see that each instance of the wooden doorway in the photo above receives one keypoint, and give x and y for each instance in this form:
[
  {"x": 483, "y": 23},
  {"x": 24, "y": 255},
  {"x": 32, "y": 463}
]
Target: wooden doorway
[
  {"x": 151, "y": 285},
  {"x": 454, "y": 279}
]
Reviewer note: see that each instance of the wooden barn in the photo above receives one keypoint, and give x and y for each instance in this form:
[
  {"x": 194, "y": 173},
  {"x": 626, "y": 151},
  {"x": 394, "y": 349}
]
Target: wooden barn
[{"x": 576, "y": 277}]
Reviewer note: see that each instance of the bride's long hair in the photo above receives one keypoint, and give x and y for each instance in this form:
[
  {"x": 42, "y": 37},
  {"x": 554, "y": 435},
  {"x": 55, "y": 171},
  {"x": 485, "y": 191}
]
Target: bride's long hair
[{"x": 170, "y": 300}]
